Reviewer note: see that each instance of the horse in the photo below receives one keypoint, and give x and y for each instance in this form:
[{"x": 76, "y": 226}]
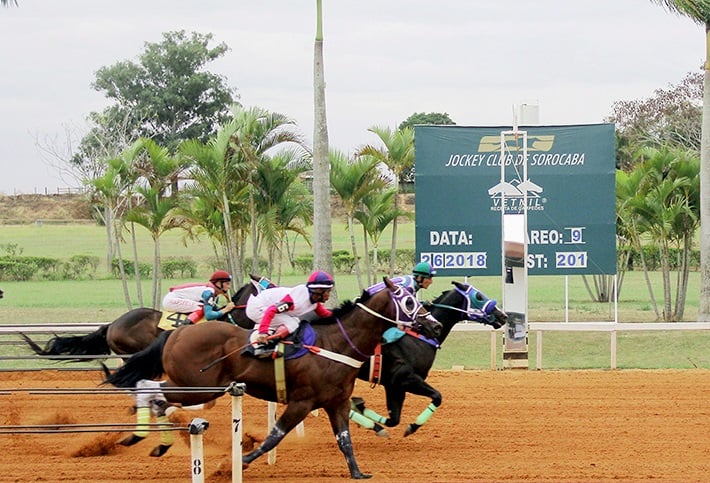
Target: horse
[
  {"x": 406, "y": 362},
  {"x": 324, "y": 377},
  {"x": 138, "y": 328}
]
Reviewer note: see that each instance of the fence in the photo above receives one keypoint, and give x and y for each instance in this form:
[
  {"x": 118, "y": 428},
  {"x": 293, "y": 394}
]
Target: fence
[{"x": 539, "y": 328}]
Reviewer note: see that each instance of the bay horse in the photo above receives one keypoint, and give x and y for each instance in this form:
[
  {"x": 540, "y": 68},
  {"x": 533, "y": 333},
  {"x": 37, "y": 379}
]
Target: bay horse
[
  {"x": 212, "y": 355},
  {"x": 406, "y": 362},
  {"x": 137, "y": 329}
]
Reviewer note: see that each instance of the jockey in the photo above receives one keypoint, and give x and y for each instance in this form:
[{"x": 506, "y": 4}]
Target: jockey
[
  {"x": 422, "y": 277},
  {"x": 200, "y": 299},
  {"x": 278, "y": 310}
]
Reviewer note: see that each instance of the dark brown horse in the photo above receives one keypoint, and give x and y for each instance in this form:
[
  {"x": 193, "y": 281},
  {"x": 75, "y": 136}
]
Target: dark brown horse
[
  {"x": 407, "y": 360},
  {"x": 137, "y": 329},
  {"x": 211, "y": 355}
]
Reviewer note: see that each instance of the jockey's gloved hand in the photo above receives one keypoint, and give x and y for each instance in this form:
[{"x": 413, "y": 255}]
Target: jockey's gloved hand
[{"x": 262, "y": 338}]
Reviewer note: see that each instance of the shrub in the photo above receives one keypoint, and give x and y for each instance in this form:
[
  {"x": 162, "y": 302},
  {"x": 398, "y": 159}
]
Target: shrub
[
  {"x": 179, "y": 266},
  {"x": 144, "y": 269},
  {"x": 80, "y": 266}
]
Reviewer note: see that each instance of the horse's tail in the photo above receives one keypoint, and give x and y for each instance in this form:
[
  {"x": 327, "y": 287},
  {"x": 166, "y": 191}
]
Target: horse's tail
[
  {"x": 146, "y": 364},
  {"x": 93, "y": 344}
]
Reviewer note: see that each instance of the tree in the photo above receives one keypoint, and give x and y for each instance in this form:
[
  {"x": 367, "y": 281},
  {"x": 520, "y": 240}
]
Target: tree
[
  {"x": 699, "y": 12},
  {"x": 220, "y": 195},
  {"x": 258, "y": 132},
  {"x": 156, "y": 169},
  {"x": 322, "y": 229},
  {"x": 436, "y": 118},
  {"x": 659, "y": 200},
  {"x": 670, "y": 118},
  {"x": 168, "y": 95},
  {"x": 353, "y": 180},
  {"x": 398, "y": 155}
]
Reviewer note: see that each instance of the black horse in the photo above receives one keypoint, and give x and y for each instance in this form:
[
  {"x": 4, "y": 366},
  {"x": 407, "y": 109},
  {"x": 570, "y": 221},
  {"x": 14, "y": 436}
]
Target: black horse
[
  {"x": 137, "y": 329},
  {"x": 324, "y": 377},
  {"x": 406, "y": 362}
]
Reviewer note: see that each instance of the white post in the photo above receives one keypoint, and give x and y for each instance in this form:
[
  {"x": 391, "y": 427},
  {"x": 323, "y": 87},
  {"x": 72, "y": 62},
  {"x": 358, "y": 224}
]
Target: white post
[
  {"x": 237, "y": 391},
  {"x": 196, "y": 428},
  {"x": 271, "y": 421}
]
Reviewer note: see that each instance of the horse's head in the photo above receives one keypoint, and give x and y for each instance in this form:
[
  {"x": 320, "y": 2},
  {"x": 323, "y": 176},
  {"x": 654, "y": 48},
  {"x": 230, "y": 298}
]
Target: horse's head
[
  {"x": 409, "y": 312},
  {"x": 478, "y": 307},
  {"x": 238, "y": 315}
]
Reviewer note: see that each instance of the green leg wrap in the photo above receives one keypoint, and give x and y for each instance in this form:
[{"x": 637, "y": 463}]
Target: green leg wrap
[
  {"x": 142, "y": 419},
  {"x": 370, "y": 414},
  {"x": 426, "y": 414},
  {"x": 361, "y": 420},
  {"x": 166, "y": 437}
]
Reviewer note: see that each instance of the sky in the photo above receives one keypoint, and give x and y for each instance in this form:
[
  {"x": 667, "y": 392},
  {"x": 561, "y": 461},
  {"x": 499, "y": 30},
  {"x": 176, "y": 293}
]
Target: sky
[{"x": 384, "y": 60}]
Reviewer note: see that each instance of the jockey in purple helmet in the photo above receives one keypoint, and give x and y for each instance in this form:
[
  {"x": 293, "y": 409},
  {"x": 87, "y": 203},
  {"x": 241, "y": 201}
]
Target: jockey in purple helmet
[{"x": 278, "y": 310}]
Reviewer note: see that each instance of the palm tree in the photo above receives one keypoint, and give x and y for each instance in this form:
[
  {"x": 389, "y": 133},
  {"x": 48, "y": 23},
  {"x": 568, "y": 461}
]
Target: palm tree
[
  {"x": 699, "y": 12},
  {"x": 258, "y": 132},
  {"x": 398, "y": 155},
  {"x": 376, "y": 214},
  {"x": 157, "y": 169},
  {"x": 353, "y": 180},
  {"x": 220, "y": 194},
  {"x": 323, "y": 234},
  {"x": 283, "y": 202}
]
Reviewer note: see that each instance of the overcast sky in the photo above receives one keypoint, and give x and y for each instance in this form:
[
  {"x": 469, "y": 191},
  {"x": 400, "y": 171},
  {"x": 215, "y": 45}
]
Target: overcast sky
[{"x": 384, "y": 60}]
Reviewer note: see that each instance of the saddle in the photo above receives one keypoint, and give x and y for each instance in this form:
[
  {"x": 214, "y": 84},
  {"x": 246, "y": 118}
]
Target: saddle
[
  {"x": 292, "y": 347},
  {"x": 173, "y": 320}
]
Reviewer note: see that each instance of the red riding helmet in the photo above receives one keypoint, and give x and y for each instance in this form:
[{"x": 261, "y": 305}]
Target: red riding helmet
[
  {"x": 320, "y": 279},
  {"x": 220, "y": 276}
]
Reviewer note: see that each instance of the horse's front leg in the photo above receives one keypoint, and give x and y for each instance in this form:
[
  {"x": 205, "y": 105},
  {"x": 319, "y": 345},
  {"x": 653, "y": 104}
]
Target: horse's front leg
[
  {"x": 340, "y": 423},
  {"x": 294, "y": 413},
  {"x": 417, "y": 386}
]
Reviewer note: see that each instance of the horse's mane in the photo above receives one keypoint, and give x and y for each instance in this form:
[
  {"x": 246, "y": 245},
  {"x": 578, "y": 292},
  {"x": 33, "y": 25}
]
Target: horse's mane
[{"x": 342, "y": 310}]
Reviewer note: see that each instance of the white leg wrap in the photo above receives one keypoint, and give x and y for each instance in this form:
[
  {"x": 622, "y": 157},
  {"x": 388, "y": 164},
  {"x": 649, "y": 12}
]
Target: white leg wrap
[{"x": 149, "y": 390}]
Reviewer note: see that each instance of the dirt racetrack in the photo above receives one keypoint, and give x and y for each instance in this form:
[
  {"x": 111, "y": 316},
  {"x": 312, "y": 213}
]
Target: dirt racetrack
[{"x": 567, "y": 426}]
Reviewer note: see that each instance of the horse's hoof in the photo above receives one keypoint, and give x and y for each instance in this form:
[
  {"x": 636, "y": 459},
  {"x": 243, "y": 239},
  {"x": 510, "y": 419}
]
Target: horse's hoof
[
  {"x": 131, "y": 440},
  {"x": 411, "y": 429},
  {"x": 361, "y": 476},
  {"x": 380, "y": 431},
  {"x": 159, "y": 451}
]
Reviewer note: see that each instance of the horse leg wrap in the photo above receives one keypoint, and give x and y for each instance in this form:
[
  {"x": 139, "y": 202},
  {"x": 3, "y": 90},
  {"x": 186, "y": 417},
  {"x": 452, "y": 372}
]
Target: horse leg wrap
[
  {"x": 166, "y": 437},
  {"x": 147, "y": 391},
  {"x": 426, "y": 414},
  {"x": 142, "y": 420},
  {"x": 361, "y": 420},
  {"x": 370, "y": 414}
]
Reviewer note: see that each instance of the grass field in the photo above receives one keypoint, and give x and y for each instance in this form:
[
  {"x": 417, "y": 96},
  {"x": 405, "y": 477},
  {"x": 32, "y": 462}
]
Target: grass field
[{"x": 102, "y": 300}]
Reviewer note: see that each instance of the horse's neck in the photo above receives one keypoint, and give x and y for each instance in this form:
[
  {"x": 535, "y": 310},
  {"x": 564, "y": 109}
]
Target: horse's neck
[
  {"x": 358, "y": 333},
  {"x": 448, "y": 318}
]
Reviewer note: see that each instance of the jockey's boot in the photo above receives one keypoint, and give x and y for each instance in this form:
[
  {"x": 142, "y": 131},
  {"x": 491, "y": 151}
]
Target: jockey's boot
[{"x": 195, "y": 316}]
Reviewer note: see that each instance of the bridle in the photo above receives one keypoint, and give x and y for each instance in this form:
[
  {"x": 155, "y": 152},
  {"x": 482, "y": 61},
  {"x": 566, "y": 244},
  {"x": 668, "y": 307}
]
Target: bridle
[
  {"x": 406, "y": 308},
  {"x": 482, "y": 311}
]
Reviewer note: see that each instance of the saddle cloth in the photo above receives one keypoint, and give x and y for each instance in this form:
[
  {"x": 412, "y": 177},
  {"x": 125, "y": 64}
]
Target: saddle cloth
[{"x": 295, "y": 342}]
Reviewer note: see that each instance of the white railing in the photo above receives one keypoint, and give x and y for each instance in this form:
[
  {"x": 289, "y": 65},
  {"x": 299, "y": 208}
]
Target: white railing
[
  {"x": 611, "y": 327},
  {"x": 537, "y": 327}
]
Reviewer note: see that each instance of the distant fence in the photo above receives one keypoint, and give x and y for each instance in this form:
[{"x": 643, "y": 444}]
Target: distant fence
[{"x": 534, "y": 327}]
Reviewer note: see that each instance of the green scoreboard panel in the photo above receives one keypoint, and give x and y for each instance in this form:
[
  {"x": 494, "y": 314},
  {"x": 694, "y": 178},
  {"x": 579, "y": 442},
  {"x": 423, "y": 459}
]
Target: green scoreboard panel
[{"x": 570, "y": 198}]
